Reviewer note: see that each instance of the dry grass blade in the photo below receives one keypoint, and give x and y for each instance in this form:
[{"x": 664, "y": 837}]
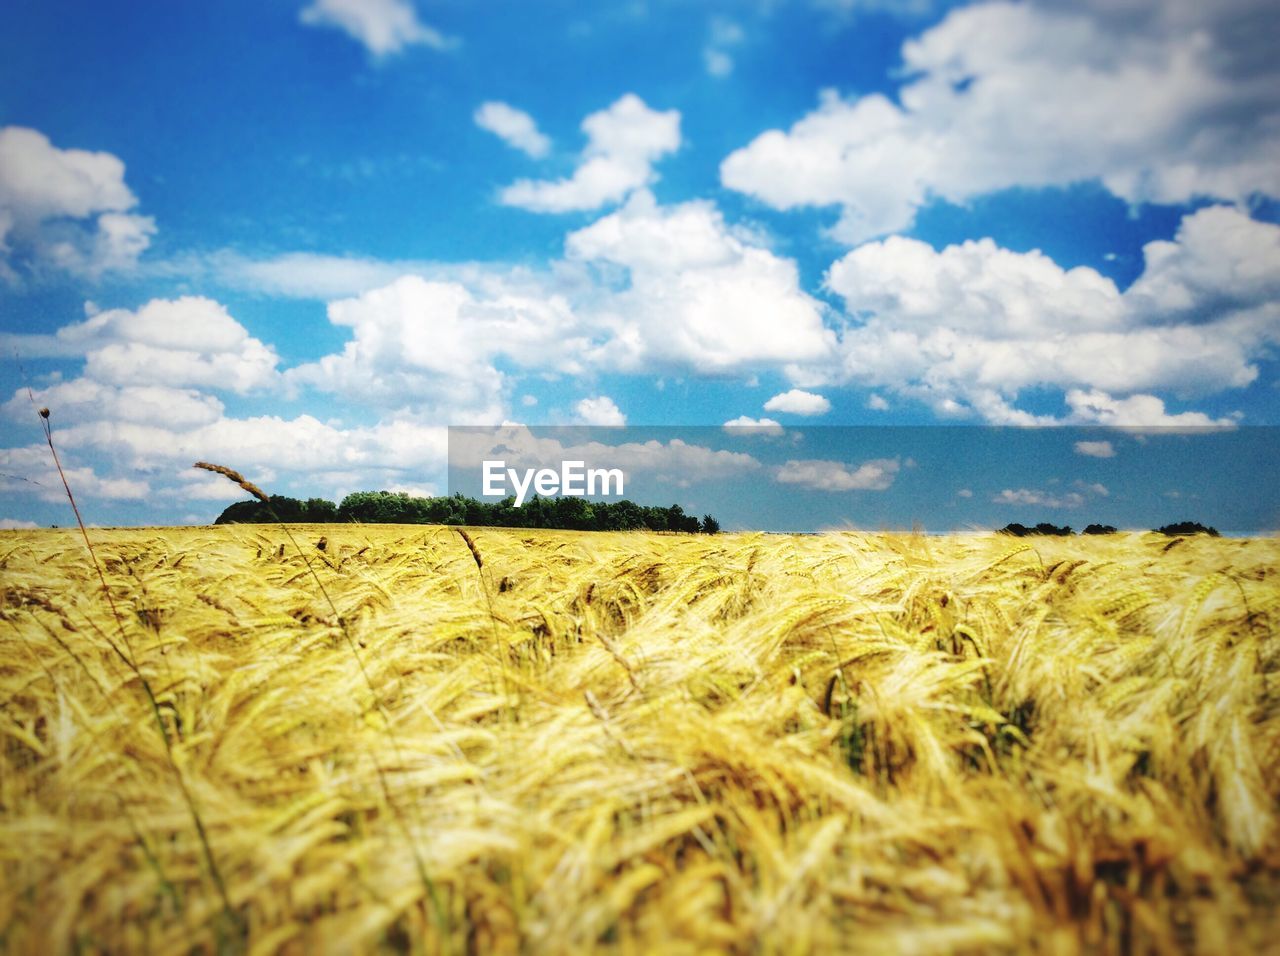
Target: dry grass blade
[{"x": 235, "y": 925}]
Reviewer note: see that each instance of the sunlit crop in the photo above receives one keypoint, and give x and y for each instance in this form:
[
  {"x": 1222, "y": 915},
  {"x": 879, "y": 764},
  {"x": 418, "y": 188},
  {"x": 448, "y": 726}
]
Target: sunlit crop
[{"x": 556, "y": 742}]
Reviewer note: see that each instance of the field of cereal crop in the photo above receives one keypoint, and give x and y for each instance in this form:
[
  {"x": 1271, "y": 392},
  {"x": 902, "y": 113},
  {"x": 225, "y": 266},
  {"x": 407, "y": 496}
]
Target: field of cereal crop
[{"x": 632, "y": 742}]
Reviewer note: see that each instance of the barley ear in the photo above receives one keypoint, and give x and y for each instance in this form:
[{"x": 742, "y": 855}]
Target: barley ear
[{"x": 235, "y": 476}]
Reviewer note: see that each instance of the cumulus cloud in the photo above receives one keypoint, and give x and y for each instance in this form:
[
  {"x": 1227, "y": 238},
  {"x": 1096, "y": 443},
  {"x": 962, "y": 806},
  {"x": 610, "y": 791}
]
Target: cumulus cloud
[
  {"x": 384, "y": 27},
  {"x": 434, "y": 345},
  {"x": 599, "y": 410},
  {"x": 1095, "y": 449},
  {"x": 1219, "y": 260},
  {"x": 821, "y": 475},
  {"x": 798, "y": 402},
  {"x": 16, "y": 524},
  {"x": 967, "y": 327},
  {"x": 514, "y": 127},
  {"x": 623, "y": 143},
  {"x": 177, "y": 343},
  {"x": 201, "y": 486},
  {"x": 65, "y": 209},
  {"x": 1162, "y": 103},
  {"x": 695, "y": 292},
  {"x": 1040, "y": 498},
  {"x": 681, "y": 462},
  {"x": 644, "y": 288},
  {"x": 764, "y": 426},
  {"x": 83, "y": 399},
  {"x": 1037, "y": 498},
  {"x": 145, "y": 409},
  {"x": 1097, "y": 407},
  {"x": 979, "y": 287},
  {"x": 276, "y": 451}
]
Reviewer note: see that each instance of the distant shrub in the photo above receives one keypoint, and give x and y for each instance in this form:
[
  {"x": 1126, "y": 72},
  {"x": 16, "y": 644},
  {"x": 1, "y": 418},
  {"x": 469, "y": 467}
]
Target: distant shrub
[
  {"x": 1100, "y": 529},
  {"x": 316, "y": 510},
  {"x": 1188, "y": 527},
  {"x": 1021, "y": 530}
]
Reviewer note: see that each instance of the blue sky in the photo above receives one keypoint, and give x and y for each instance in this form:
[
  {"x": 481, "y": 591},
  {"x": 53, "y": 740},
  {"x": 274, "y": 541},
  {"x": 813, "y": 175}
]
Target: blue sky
[{"x": 300, "y": 238}]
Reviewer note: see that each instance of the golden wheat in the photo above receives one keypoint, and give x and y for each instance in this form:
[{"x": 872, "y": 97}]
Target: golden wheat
[{"x": 637, "y": 742}]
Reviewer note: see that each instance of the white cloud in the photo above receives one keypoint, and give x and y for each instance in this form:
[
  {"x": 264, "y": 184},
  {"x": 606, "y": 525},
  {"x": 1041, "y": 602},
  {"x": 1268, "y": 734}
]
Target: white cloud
[
  {"x": 65, "y": 209},
  {"x": 303, "y": 275},
  {"x": 623, "y": 143},
  {"x": 674, "y": 461},
  {"x": 1161, "y": 102},
  {"x": 433, "y": 345},
  {"x": 40, "y": 181},
  {"x": 120, "y": 240},
  {"x": 1039, "y": 499},
  {"x": 16, "y": 524},
  {"x": 425, "y": 352},
  {"x": 384, "y": 27},
  {"x": 30, "y": 470},
  {"x": 514, "y": 127},
  {"x": 877, "y": 403},
  {"x": 190, "y": 341},
  {"x": 978, "y": 286},
  {"x": 964, "y": 493},
  {"x": 966, "y": 328},
  {"x": 1097, "y": 407},
  {"x": 644, "y": 288},
  {"x": 123, "y": 440},
  {"x": 1219, "y": 259},
  {"x": 764, "y": 426},
  {"x": 1095, "y": 449},
  {"x": 718, "y": 63},
  {"x": 83, "y": 399},
  {"x": 599, "y": 410},
  {"x": 417, "y": 491},
  {"x": 798, "y": 402},
  {"x": 277, "y": 452},
  {"x": 723, "y": 35},
  {"x": 875, "y": 475},
  {"x": 900, "y": 8},
  {"x": 694, "y": 292},
  {"x": 201, "y": 486}
]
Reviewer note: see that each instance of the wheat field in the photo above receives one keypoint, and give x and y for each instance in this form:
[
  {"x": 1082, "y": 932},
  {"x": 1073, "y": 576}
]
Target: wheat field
[{"x": 552, "y": 742}]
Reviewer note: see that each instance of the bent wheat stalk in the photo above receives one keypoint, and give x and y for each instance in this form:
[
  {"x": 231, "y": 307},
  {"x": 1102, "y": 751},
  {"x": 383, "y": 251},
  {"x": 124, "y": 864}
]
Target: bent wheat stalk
[
  {"x": 442, "y": 919},
  {"x": 502, "y": 656}
]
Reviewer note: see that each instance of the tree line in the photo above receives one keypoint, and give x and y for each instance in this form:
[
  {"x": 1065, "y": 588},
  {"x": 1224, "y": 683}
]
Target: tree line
[
  {"x": 391, "y": 507},
  {"x": 1180, "y": 527}
]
